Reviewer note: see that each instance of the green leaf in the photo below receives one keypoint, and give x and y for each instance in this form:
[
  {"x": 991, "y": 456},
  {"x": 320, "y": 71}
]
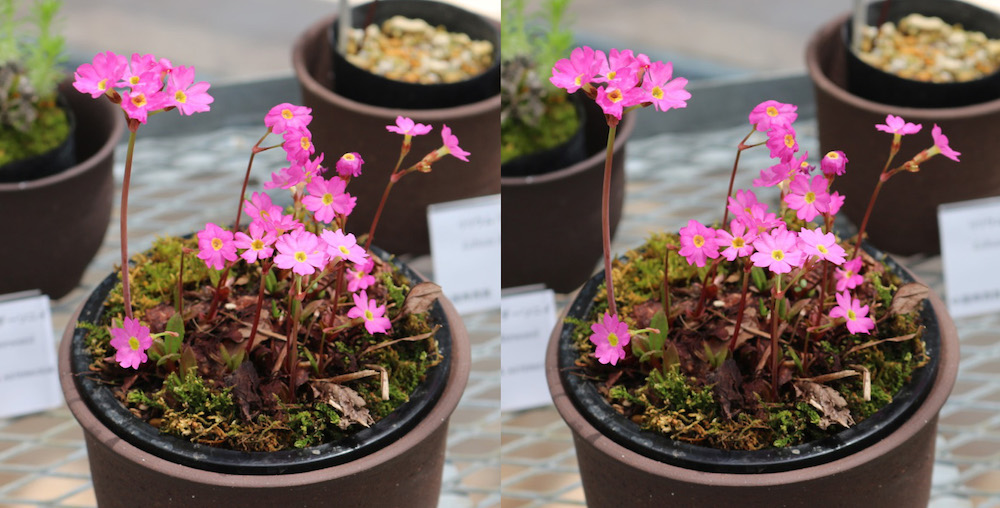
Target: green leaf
[
  {"x": 759, "y": 278},
  {"x": 660, "y": 322},
  {"x": 171, "y": 343}
]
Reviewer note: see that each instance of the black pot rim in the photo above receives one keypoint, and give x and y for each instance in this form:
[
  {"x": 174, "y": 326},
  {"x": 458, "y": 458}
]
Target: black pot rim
[
  {"x": 143, "y": 436},
  {"x": 596, "y": 411}
]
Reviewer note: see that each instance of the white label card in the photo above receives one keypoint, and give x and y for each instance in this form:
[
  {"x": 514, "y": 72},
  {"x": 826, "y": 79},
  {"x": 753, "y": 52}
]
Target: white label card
[
  {"x": 29, "y": 380},
  {"x": 526, "y": 321},
  {"x": 465, "y": 249},
  {"x": 970, "y": 249}
]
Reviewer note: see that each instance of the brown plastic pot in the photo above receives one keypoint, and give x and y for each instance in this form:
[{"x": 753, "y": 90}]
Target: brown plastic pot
[
  {"x": 404, "y": 469},
  {"x": 558, "y": 214},
  {"x": 893, "y": 468},
  {"x": 343, "y": 125},
  {"x": 904, "y": 220},
  {"x": 59, "y": 220}
]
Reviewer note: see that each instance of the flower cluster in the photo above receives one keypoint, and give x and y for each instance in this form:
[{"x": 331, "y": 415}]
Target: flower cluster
[
  {"x": 307, "y": 240},
  {"x": 620, "y": 81}
]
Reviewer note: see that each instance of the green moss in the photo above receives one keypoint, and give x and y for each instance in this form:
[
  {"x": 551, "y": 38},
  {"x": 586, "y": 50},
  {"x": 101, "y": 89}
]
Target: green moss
[
  {"x": 555, "y": 127},
  {"x": 49, "y": 131}
]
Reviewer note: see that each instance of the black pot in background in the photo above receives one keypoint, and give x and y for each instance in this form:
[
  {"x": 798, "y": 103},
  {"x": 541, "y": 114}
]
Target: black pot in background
[
  {"x": 49, "y": 163},
  {"x": 563, "y": 155},
  {"x": 877, "y": 85},
  {"x": 360, "y": 85}
]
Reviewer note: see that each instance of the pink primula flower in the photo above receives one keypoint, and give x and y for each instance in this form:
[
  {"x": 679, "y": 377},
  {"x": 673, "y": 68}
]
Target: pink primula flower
[
  {"x": 773, "y": 175},
  {"x": 738, "y": 242},
  {"x": 847, "y": 275},
  {"x": 282, "y": 224},
  {"x": 327, "y": 199},
  {"x": 578, "y": 70},
  {"x": 339, "y": 245},
  {"x": 360, "y": 276},
  {"x": 698, "y": 243},
  {"x": 823, "y": 246},
  {"x": 777, "y": 251},
  {"x": 808, "y": 199},
  {"x": 853, "y": 313},
  {"x": 770, "y": 114},
  {"x": 760, "y": 220},
  {"x": 663, "y": 92},
  {"x": 610, "y": 336},
  {"x": 451, "y": 144},
  {"x": 834, "y": 163},
  {"x": 615, "y": 97},
  {"x": 407, "y": 127},
  {"x": 941, "y": 144},
  {"x": 349, "y": 164},
  {"x": 287, "y": 116},
  {"x": 189, "y": 97},
  {"x": 896, "y": 125},
  {"x": 131, "y": 342},
  {"x": 301, "y": 251},
  {"x": 286, "y": 178},
  {"x": 298, "y": 145},
  {"x": 373, "y": 314},
  {"x": 620, "y": 67},
  {"x": 101, "y": 75},
  {"x": 744, "y": 203},
  {"x": 800, "y": 165},
  {"x": 259, "y": 207},
  {"x": 144, "y": 70},
  {"x": 836, "y": 201},
  {"x": 141, "y": 100},
  {"x": 782, "y": 143},
  {"x": 215, "y": 246},
  {"x": 257, "y": 244}
]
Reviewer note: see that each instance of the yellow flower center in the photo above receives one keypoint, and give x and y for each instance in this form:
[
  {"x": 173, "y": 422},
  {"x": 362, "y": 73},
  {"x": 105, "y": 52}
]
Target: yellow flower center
[
  {"x": 139, "y": 100},
  {"x": 102, "y": 85},
  {"x": 134, "y": 80},
  {"x": 777, "y": 255},
  {"x": 611, "y": 75},
  {"x": 216, "y": 243},
  {"x": 832, "y": 155},
  {"x": 305, "y": 143},
  {"x": 615, "y": 96},
  {"x": 579, "y": 80},
  {"x": 368, "y": 315},
  {"x": 257, "y": 244},
  {"x": 327, "y": 199},
  {"x": 287, "y": 114},
  {"x": 851, "y": 315},
  {"x": 133, "y": 343},
  {"x": 804, "y": 165},
  {"x": 300, "y": 256},
  {"x": 613, "y": 339},
  {"x": 698, "y": 240},
  {"x": 848, "y": 274},
  {"x": 810, "y": 197},
  {"x": 344, "y": 250},
  {"x": 180, "y": 96},
  {"x": 822, "y": 249},
  {"x": 789, "y": 140},
  {"x": 348, "y": 157},
  {"x": 657, "y": 93},
  {"x": 738, "y": 242},
  {"x": 772, "y": 111}
]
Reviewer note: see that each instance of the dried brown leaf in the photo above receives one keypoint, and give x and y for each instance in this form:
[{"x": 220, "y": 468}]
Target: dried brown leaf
[
  {"x": 414, "y": 338},
  {"x": 349, "y": 403},
  {"x": 908, "y": 298},
  {"x": 901, "y": 338},
  {"x": 420, "y": 298},
  {"x": 830, "y": 404}
]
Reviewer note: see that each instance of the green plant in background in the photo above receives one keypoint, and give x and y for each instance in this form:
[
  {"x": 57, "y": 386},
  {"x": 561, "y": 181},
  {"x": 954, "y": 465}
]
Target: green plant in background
[
  {"x": 31, "y": 122},
  {"x": 533, "y": 115}
]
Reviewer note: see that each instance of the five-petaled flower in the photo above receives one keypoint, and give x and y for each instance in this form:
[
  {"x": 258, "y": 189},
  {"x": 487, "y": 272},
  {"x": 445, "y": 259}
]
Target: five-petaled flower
[
  {"x": 771, "y": 113},
  {"x": 610, "y": 336},
  {"x": 215, "y": 246},
  {"x": 285, "y": 116},
  {"x": 407, "y": 127},
  {"x": 855, "y": 314},
  {"x": 821, "y": 245},
  {"x": 372, "y": 313},
  {"x": 300, "y": 250},
  {"x": 896, "y": 125},
  {"x": 777, "y": 251},
  {"x": 698, "y": 243},
  {"x": 131, "y": 342}
]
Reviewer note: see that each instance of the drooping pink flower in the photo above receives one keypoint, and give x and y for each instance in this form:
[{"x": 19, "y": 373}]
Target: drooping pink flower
[
  {"x": 896, "y": 125},
  {"x": 808, "y": 198},
  {"x": 941, "y": 144},
  {"x": 327, "y": 199},
  {"x": 286, "y": 178},
  {"x": 339, "y": 245},
  {"x": 777, "y": 251},
  {"x": 189, "y": 97},
  {"x": 360, "y": 276},
  {"x": 853, "y": 313},
  {"x": 773, "y": 175},
  {"x": 101, "y": 75},
  {"x": 281, "y": 223},
  {"x": 215, "y": 246},
  {"x": 260, "y": 207},
  {"x": 610, "y": 336},
  {"x": 257, "y": 245},
  {"x": 800, "y": 165},
  {"x": 760, "y": 220},
  {"x": 131, "y": 342},
  {"x": 298, "y": 145},
  {"x": 287, "y": 116},
  {"x": 663, "y": 92},
  {"x": 373, "y": 314},
  {"x": 698, "y": 243},
  {"x": 738, "y": 242},
  {"x": 301, "y": 251},
  {"x": 782, "y": 143},
  {"x": 349, "y": 164},
  {"x": 576, "y": 71},
  {"x": 815, "y": 243},
  {"x": 834, "y": 163},
  {"x": 407, "y": 127},
  {"x": 744, "y": 203},
  {"x": 770, "y": 114},
  {"x": 847, "y": 275},
  {"x": 451, "y": 144},
  {"x": 836, "y": 201}
]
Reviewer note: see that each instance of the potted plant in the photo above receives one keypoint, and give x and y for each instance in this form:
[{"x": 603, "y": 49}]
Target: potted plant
[
  {"x": 55, "y": 164},
  {"x": 842, "y": 111},
  {"x": 267, "y": 364},
  {"x": 761, "y": 358},
  {"x": 341, "y": 121},
  {"x": 553, "y": 181}
]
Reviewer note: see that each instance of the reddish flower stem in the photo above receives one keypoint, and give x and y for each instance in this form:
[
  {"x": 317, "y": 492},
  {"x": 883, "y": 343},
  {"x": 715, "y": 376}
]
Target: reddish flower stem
[
  {"x": 868, "y": 213},
  {"x": 774, "y": 340},
  {"x": 133, "y": 126},
  {"x": 732, "y": 177},
  {"x": 393, "y": 178},
  {"x": 743, "y": 301},
  {"x": 291, "y": 345},
  {"x": 606, "y": 217},
  {"x": 264, "y": 270}
]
